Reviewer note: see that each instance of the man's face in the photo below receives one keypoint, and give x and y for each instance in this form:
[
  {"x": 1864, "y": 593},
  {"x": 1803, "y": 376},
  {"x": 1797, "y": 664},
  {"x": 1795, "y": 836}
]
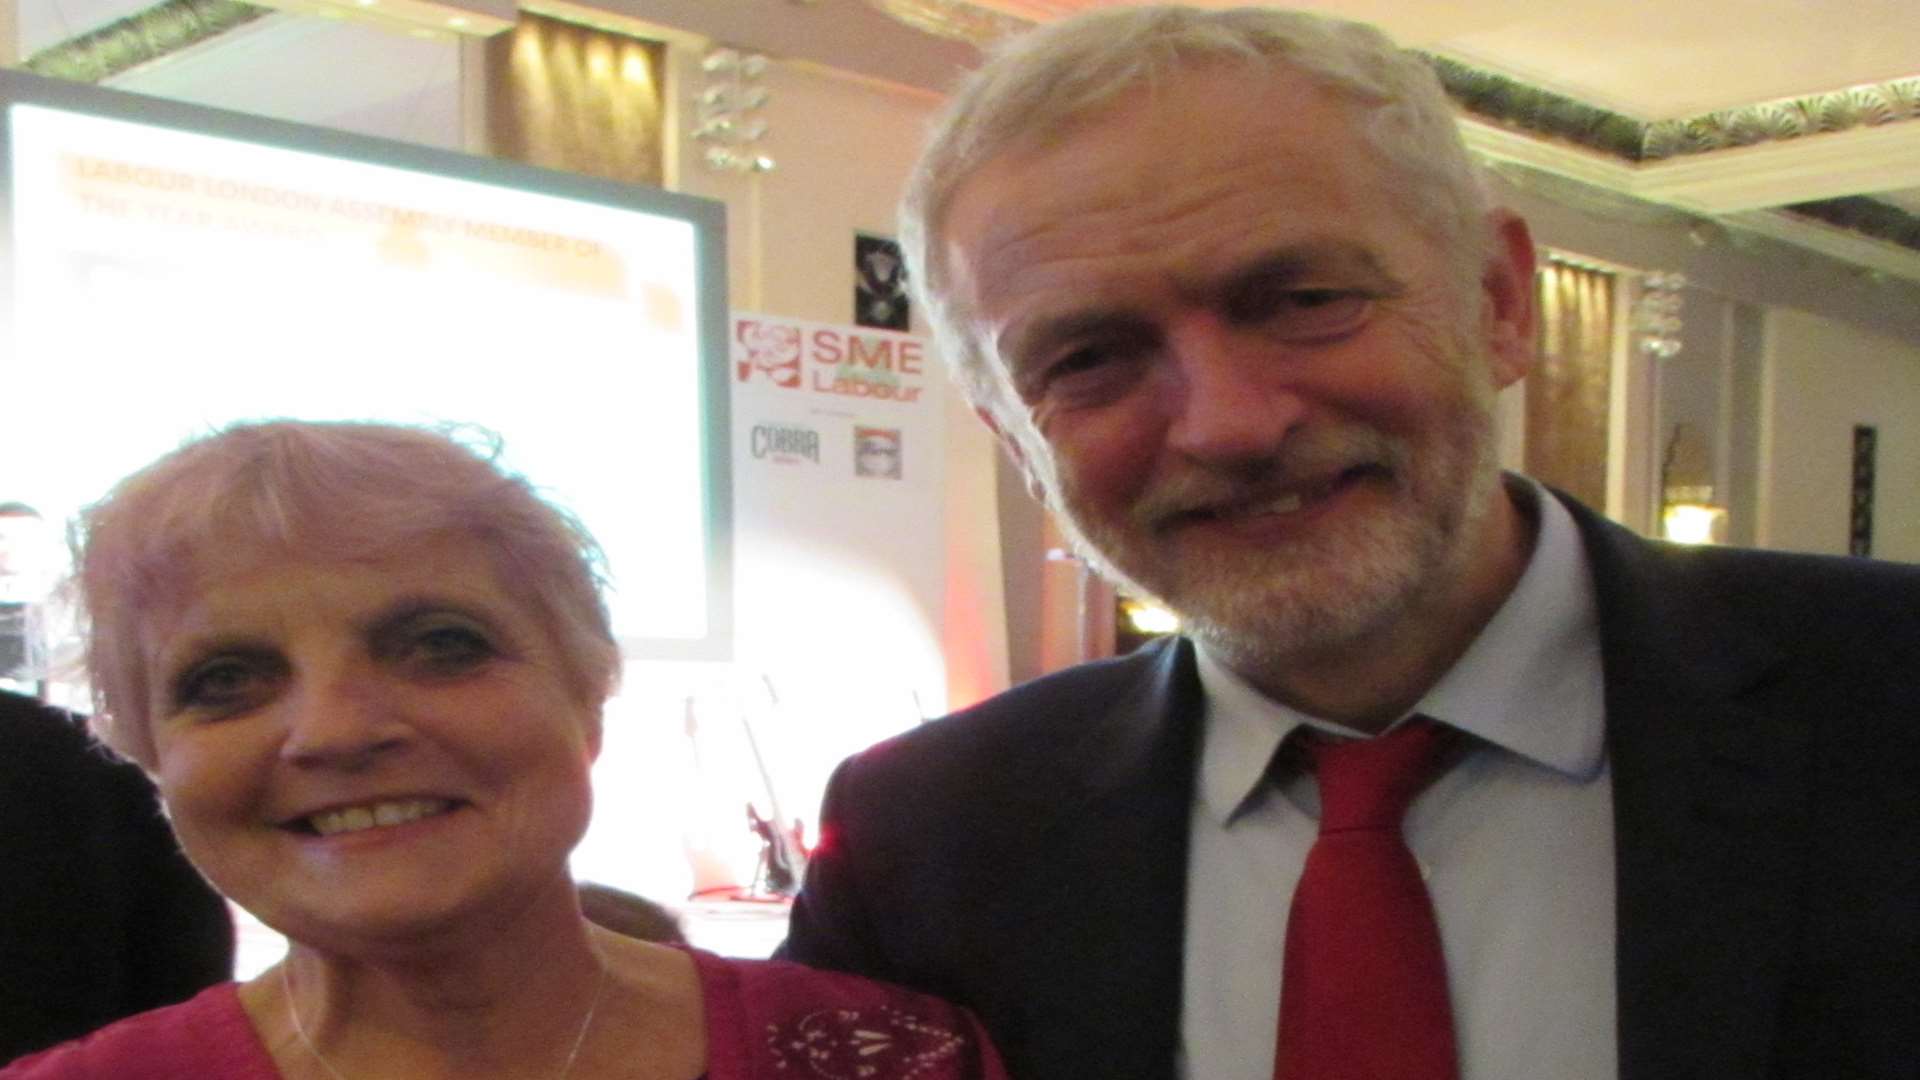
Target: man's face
[{"x": 1249, "y": 382}]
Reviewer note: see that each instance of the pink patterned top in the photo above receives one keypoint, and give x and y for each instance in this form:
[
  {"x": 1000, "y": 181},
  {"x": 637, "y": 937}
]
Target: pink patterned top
[{"x": 766, "y": 1020}]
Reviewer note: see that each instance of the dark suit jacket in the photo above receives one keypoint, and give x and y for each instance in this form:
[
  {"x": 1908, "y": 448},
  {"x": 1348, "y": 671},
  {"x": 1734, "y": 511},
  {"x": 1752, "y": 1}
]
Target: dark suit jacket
[
  {"x": 100, "y": 915},
  {"x": 1027, "y": 857}
]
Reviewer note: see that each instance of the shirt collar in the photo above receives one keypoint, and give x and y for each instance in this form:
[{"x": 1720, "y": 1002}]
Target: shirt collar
[{"x": 1530, "y": 682}]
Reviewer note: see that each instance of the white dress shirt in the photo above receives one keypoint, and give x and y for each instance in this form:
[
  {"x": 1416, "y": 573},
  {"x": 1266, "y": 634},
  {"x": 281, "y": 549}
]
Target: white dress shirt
[{"x": 1515, "y": 840}]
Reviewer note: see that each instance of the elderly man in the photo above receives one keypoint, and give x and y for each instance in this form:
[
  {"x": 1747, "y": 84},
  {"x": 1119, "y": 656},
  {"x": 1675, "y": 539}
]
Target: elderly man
[{"x": 1448, "y": 776}]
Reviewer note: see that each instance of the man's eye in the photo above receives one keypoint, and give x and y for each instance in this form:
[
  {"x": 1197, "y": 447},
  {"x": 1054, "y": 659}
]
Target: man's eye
[
  {"x": 1090, "y": 373},
  {"x": 1306, "y": 315},
  {"x": 1079, "y": 360}
]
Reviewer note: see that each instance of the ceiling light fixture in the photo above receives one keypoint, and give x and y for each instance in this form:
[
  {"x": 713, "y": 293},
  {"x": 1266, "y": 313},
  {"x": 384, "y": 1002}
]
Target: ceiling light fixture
[
  {"x": 730, "y": 121},
  {"x": 1656, "y": 314}
]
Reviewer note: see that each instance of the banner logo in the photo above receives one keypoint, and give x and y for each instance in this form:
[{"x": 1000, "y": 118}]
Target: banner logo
[
  {"x": 834, "y": 360},
  {"x": 771, "y": 349},
  {"x": 876, "y": 452},
  {"x": 784, "y": 443}
]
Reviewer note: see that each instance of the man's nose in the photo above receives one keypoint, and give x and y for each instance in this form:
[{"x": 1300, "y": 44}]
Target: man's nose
[
  {"x": 1233, "y": 398},
  {"x": 342, "y": 719}
]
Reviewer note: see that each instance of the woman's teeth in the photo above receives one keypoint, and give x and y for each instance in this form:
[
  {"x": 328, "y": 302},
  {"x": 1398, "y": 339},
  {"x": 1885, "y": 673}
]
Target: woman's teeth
[
  {"x": 1285, "y": 504},
  {"x": 358, "y": 818}
]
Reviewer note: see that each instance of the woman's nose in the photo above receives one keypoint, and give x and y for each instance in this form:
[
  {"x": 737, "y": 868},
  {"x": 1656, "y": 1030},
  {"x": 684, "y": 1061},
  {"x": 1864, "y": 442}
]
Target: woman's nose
[{"x": 344, "y": 720}]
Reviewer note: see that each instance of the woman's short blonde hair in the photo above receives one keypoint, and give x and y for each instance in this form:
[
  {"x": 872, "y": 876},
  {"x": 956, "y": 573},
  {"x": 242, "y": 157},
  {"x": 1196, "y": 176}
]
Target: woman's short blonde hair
[{"x": 326, "y": 491}]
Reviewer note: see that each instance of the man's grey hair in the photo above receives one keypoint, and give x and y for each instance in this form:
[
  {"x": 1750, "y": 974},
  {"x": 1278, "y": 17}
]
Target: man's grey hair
[{"x": 1036, "y": 87}]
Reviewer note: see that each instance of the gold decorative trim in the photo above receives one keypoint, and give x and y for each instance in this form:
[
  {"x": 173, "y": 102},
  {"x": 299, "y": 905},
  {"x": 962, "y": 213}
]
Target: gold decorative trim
[
  {"x": 140, "y": 38},
  {"x": 1509, "y": 101},
  {"x": 956, "y": 19},
  {"x": 1871, "y": 105},
  {"x": 1631, "y": 151}
]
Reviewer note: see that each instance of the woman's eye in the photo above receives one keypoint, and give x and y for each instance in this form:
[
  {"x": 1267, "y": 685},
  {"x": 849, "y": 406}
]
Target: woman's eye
[
  {"x": 450, "y": 648},
  {"x": 221, "y": 684}
]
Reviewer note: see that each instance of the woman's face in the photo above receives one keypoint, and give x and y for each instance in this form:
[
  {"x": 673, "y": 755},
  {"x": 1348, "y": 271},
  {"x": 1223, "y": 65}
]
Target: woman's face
[{"x": 361, "y": 752}]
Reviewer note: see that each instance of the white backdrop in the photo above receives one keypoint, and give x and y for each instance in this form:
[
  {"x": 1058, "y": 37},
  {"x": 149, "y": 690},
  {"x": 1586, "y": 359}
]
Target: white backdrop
[{"x": 839, "y": 583}]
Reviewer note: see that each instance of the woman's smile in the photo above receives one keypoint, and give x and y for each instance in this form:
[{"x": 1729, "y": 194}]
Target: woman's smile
[
  {"x": 374, "y": 815},
  {"x": 401, "y": 725}
]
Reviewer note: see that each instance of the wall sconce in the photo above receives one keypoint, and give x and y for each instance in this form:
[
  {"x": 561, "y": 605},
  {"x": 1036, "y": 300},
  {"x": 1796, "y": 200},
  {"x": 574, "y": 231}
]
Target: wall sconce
[
  {"x": 730, "y": 104},
  {"x": 1148, "y": 619},
  {"x": 1689, "y": 515},
  {"x": 1688, "y": 512},
  {"x": 1655, "y": 318}
]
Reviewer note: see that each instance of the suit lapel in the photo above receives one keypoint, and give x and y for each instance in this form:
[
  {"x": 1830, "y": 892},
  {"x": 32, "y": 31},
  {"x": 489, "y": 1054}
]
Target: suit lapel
[
  {"x": 1707, "y": 794},
  {"x": 1708, "y": 786},
  {"x": 1102, "y": 919}
]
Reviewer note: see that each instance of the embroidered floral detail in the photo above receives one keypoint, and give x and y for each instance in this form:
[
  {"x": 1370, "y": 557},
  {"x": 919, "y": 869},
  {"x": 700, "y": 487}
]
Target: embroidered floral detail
[{"x": 884, "y": 1043}]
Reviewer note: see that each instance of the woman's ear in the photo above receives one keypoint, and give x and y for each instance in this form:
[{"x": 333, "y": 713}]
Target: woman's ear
[{"x": 594, "y": 728}]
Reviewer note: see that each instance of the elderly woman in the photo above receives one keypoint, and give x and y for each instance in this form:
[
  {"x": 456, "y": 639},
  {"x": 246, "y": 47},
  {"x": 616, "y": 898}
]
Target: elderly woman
[{"x": 366, "y": 670}]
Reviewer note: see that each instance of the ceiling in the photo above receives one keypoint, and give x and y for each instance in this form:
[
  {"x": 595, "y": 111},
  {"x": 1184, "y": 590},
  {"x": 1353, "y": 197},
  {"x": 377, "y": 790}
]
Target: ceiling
[
  {"x": 1651, "y": 59},
  {"x": 1728, "y": 108}
]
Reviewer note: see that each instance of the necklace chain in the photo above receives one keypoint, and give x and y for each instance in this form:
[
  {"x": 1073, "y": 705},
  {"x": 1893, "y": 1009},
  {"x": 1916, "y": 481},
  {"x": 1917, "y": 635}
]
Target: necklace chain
[{"x": 566, "y": 1067}]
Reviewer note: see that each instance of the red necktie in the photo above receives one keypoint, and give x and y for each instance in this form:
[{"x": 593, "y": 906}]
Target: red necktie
[{"x": 1364, "y": 991}]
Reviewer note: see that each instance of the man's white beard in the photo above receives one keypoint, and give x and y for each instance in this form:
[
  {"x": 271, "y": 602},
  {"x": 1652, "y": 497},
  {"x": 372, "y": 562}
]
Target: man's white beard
[{"x": 1333, "y": 587}]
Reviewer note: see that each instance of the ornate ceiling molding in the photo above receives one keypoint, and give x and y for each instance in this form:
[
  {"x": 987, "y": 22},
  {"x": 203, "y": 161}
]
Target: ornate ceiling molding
[
  {"x": 1514, "y": 104},
  {"x": 1504, "y": 100},
  {"x": 1858, "y": 230},
  {"x": 140, "y": 38},
  {"x": 1808, "y": 155},
  {"x": 956, "y": 19},
  {"x": 1893, "y": 102},
  {"x": 1730, "y": 161},
  {"x": 1868, "y": 217}
]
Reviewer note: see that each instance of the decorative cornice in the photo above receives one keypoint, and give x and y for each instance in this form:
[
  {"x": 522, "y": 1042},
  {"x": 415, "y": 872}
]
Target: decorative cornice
[
  {"x": 1894, "y": 102},
  {"x": 1647, "y": 149},
  {"x": 140, "y": 38},
  {"x": 1651, "y": 159},
  {"x": 1507, "y": 101},
  {"x": 1868, "y": 217},
  {"x": 956, "y": 19},
  {"x": 1494, "y": 100},
  {"x": 1514, "y": 104}
]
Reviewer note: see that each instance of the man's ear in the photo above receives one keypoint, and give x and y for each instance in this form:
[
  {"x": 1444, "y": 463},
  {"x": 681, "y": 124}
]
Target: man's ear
[
  {"x": 1509, "y": 309},
  {"x": 1018, "y": 453}
]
